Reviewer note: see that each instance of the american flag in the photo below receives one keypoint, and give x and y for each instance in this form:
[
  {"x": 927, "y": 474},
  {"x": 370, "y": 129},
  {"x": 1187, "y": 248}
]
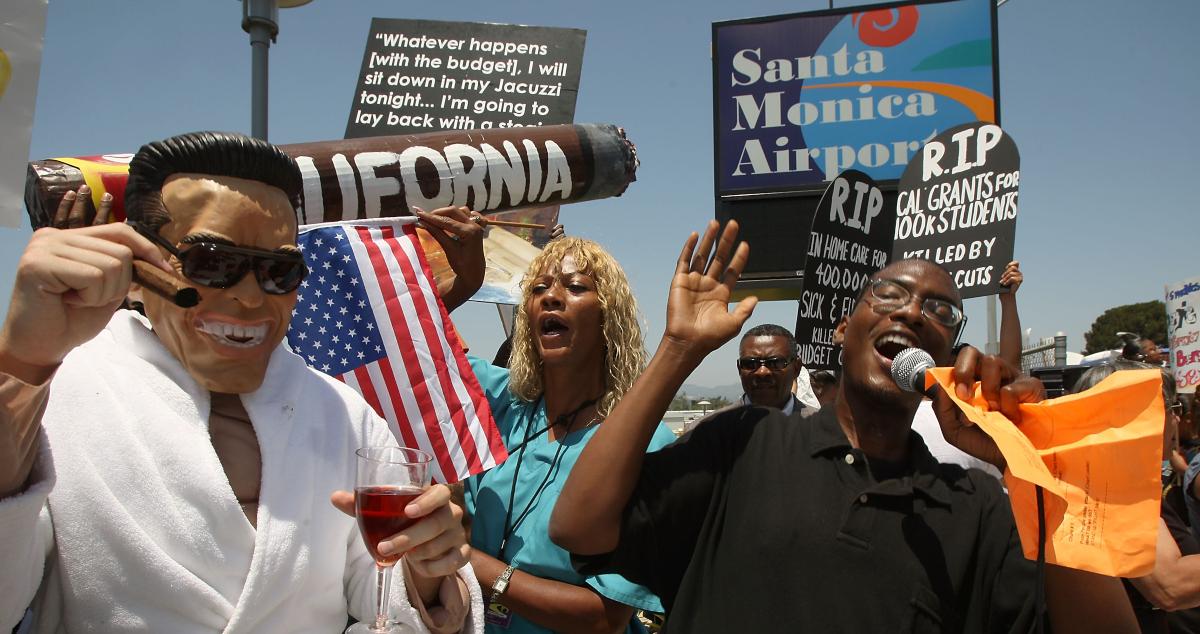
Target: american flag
[{"x": 368, "y": 314}]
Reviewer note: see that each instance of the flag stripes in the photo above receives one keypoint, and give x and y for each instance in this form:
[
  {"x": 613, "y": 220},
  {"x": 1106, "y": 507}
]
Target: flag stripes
[{"x": 412, "y": 371}]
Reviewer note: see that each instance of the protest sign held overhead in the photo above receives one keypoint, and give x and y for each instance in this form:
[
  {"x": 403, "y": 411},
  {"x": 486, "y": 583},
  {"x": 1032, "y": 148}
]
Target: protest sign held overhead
[
  {"x": 426, "y": 75},
  {"x": 957, "y": 206},
  {"x": 423, "y": 75},
  {"x": 1183, "y": 333},
  {"x": 851, "y": 238}
]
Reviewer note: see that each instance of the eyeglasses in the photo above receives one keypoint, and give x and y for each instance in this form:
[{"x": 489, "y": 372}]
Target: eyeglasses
[
  {"x": 752, "y": 364},
  {"x": 890, "y": 295},
  {"x": 218, "y": 265},
  {"x": 1177, "y": 408}
]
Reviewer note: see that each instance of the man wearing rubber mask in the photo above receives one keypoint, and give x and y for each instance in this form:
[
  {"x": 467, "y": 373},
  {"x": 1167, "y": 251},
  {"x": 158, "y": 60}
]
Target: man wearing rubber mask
[{"x": 178, "y": 476}]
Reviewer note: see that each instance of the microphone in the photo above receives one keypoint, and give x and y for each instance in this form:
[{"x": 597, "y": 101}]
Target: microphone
[{"x": 908, "y": 369}]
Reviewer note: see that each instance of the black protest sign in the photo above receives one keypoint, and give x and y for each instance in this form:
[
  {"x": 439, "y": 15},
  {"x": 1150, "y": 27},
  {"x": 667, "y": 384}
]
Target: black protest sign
[
  {"x": 851, "y": 238},
  {"x": 425, "y": 75},
  {"x": 957, "y": 206}
]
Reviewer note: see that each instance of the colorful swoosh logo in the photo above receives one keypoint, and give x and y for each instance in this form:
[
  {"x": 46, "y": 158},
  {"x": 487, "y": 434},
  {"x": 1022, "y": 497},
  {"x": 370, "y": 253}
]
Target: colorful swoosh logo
[
  {"x": 981, "y": 105},
  {"x": 886, "y": 27}
]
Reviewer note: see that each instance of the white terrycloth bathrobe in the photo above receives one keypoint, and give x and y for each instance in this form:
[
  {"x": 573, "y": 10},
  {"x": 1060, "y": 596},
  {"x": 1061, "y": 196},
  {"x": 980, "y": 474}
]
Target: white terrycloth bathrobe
[{"x": 129, "y": 522}]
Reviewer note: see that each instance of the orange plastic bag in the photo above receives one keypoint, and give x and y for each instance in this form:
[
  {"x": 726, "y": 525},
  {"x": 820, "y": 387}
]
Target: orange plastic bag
[{"x": 1097, "y": 454}]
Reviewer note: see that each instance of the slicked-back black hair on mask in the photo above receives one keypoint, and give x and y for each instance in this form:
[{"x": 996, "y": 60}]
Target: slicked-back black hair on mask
[{"x": 211, "y": 153}]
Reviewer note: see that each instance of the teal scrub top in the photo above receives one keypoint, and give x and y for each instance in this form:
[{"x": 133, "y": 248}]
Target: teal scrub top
[{"x": 529, "y": 547}]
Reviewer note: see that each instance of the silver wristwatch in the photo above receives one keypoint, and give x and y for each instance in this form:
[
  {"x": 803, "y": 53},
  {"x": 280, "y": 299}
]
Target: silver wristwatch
[{"x": 501, "y": 583}]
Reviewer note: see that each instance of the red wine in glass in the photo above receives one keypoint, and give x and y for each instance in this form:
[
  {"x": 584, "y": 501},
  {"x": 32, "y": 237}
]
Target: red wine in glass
[
  {"x": 380, "y": 511},
  {"x": 387, "y": 479}
]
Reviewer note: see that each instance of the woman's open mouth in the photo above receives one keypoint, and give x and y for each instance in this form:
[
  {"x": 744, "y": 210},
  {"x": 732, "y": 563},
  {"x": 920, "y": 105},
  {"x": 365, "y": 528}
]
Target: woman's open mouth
[{"x": 552, "y": 326}]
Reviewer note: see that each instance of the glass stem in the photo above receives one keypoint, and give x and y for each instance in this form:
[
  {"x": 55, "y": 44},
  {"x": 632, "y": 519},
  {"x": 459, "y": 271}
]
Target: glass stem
[{"x": 383, "y": 596}]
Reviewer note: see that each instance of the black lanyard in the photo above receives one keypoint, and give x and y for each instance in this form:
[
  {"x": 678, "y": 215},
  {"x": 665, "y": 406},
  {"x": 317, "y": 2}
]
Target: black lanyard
[{"x": 569, "y": 419}]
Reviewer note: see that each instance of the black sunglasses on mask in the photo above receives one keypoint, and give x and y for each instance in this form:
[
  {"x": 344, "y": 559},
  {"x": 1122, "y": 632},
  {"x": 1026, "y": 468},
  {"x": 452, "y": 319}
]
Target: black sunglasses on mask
[{"x": 217, "y": 265}]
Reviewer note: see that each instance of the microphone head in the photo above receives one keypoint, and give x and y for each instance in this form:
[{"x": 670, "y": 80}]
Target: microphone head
[{"x": 908, "y": 369}]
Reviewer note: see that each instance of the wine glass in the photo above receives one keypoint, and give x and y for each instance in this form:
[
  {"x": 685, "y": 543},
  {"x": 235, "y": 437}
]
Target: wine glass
[{"x": 388, "y": 479}]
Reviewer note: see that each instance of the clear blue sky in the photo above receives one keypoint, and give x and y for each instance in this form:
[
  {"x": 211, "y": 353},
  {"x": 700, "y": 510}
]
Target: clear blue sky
[{"x": 1100, "y": 97}]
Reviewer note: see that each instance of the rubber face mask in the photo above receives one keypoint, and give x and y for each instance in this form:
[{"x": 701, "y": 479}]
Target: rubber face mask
[{"x": 225, "y": 341}]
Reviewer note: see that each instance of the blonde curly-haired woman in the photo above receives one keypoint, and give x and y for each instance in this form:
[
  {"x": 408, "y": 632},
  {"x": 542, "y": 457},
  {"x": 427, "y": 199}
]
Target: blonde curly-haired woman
[{"x": 576, "y": 349}]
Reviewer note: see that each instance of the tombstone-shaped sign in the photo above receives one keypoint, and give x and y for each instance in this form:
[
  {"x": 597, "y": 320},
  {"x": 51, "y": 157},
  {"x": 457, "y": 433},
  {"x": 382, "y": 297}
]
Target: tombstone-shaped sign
[
  {"x": 957, "y": 206},
  {"x": 851, "y": 238}
]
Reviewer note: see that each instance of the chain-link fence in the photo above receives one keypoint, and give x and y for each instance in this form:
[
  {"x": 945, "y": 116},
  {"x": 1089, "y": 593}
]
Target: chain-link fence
[{"x": 1048, "y": 352}]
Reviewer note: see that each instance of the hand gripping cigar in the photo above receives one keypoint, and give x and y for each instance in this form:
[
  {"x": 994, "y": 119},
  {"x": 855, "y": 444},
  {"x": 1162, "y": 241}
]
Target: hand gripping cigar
[
  {"x": 164, "y": 284},
  {"x": 347, "y": 179}
]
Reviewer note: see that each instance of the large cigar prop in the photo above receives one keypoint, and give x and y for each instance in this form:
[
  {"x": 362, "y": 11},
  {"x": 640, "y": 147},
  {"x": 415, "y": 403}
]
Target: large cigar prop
[
  {"x": 487, "y": 170},
  {"x": 162, "y": 283}
]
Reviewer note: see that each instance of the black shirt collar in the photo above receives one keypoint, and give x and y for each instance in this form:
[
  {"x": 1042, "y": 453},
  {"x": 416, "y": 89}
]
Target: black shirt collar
[
  {"x": 925, "y": 475},
  {"x": 826, "y": 433}
]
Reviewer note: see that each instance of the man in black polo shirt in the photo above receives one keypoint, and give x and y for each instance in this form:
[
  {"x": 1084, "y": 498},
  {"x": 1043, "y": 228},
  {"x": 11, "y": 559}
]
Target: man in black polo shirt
[{"x": 842, "y": 524}]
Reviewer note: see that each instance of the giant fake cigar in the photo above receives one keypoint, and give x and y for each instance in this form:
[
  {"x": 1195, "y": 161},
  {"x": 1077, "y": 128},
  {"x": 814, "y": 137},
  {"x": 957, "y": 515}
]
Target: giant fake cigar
[
  {"x": 162, "y": 283},
  {"x": 490, "y": 170}
]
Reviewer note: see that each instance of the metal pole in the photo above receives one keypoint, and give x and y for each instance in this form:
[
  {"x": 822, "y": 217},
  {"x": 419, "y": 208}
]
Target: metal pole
[
  {"x": 993, "y": 342},
  {"x": 260, "y": 20},
  {"x": 260, "y": 46}
]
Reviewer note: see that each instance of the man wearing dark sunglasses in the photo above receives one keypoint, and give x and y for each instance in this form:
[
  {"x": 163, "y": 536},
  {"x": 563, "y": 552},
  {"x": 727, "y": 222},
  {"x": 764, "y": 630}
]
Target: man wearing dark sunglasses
[
  {"x": 768, "y": 366},
  {"x": 187, "y": 458}
]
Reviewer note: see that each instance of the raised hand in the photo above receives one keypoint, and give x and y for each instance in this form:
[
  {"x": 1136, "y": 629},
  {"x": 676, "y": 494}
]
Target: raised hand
[
  {"x": 459, "y": 233},
  {"x": 1012, "y": 276},
  {"x": 698, "y": 314},
  {"x": 1003, "y": 387},
  {"x": 68, "y": 284}
]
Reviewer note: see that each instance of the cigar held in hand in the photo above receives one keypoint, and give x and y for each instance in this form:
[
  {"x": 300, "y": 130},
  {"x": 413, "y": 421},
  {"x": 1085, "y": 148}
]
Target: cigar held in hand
[{"x": 164, "y": 284}]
